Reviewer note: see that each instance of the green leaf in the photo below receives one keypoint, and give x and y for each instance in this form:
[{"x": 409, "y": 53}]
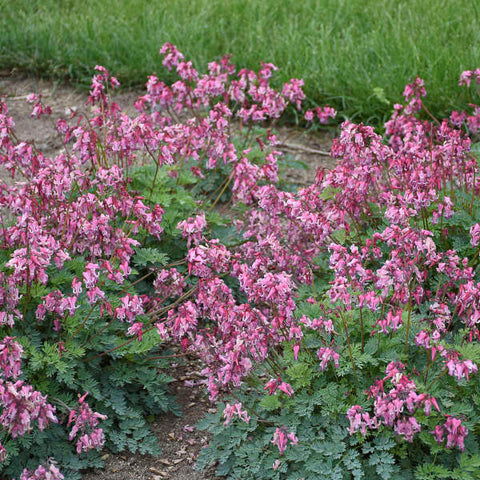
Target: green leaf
[
  {"x": 270, "y": 402},
  {"x": 300, "y": 374},
  {"x": 430, "y": 471},
  {"x": 144, "y": 256}
]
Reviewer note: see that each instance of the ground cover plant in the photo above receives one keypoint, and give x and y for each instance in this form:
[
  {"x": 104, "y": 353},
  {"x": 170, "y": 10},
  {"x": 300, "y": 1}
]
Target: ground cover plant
[
  {"x": 93, "y": 261},
  {"x": 353, "y": 55},
  {"x": 366, "y": 363},
  {"x": 337, "y": 324}
]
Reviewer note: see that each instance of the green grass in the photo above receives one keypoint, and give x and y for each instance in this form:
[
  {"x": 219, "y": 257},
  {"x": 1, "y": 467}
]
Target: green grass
[{"x": 349, "y": 52}]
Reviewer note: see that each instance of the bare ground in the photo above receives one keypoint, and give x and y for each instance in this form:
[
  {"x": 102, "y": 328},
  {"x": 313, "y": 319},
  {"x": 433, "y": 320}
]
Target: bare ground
[
  {"x": 177, "y": 437},
  {"x": 179, "y": 440}
]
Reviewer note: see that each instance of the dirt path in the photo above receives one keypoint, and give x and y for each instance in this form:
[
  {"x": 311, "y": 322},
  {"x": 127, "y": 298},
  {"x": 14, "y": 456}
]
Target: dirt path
[{"x": 177, "y": 437}]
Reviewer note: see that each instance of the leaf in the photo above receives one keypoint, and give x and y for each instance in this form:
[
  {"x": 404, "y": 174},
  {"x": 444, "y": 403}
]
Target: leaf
[
  {"x": 461, "y": 218},
  {"x": 470, "y": 464},
  {"x": 430, "y": 471},
  {"x": 300, "y": 374},
  {"x": 144, "y": 256},
  {"x": 270, "y": 402},
  {"x": 470, "y": 351}
]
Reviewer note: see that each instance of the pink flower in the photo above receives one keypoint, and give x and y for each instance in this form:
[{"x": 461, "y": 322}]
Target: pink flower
[
  {"x": 136, "y": 329},
  {"x": 276, "y": 464},
  {"x": 192, "y": 229},
  {"x": 22, "y": 406},
  {"x": 49, "y": 472},
  {"x": 85, "y": 422},
  {"x": 271, "y": 386},
  {"x": 455, "y": 431},
  {"x": 39, "y": 108},
  {"x": 187, "y": 72},
  {"x": 132, "y": 306},
  {"x": 460, "y": 369},
  {"x": 309, "y": 115},
  {"x": 286, "y": 388},
  {"x": 266, "y": 70},
  {"x": 438, "y": 433},
  {"x": 475, "y": 234},
  {"x": 76, "y": 286},
  {"x": 90, "y": 275},
  {"x": 393, "y": 321},
  {"x": 326, "y": 355},
  {"x": 467, "y": 76},
  {"x": 296, "y": 350},
  {"x": 407, "y": 427},
  {"x": 94, "y": 294},
  {"x": 10, "y": 357},
  {"x": 172, "y": 56},
  {"x": 293, "y": 92},
  {"x": 281, "y": 438},
  {"x": 325, "y": 113},
  {"x": 413, "y": 93},
  {"x": 236, "y": 409}
]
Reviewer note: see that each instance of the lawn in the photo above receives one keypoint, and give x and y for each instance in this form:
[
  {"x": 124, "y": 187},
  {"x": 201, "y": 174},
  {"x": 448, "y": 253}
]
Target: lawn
[{"x": 354, "y": 55}]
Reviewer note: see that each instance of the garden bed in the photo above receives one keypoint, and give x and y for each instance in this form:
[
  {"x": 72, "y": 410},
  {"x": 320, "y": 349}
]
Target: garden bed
[{"x": 333, "y": 315}]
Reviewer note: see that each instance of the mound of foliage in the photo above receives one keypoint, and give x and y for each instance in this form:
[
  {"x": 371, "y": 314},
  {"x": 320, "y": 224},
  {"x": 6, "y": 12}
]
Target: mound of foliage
[
  {"x": 357, "y": 351},
  {"x": 338, "y": 322},
  {"x": 93, "y": 264}
]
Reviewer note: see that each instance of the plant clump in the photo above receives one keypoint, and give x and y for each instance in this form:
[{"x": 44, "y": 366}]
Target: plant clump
[
  {"x": 338, "y": 323},
  {"x": 99, "y": 248}
]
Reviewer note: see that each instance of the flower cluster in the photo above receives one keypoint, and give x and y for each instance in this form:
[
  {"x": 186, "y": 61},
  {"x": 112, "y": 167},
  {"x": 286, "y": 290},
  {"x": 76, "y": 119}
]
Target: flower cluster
[
  {"x": 85, "y": 423},
  {"x": 22, "y": 406},
  {"x": 236, "y": 409},
  {"x": 39, "y": 108},
  {"x": 384, "y": 217},
  {"x": 49, "y": 472},
  {"x": 281, "y": 437},
  {"x": 455, "y": 432},
  {"x": 395, "y": 408},
  {"x": 10, "y": 358}
]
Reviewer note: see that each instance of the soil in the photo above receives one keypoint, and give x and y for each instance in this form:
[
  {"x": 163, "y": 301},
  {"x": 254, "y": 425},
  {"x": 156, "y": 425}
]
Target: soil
[
  {"x": 177, "y": 437},
  {"x": 179, "y": 440}
]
